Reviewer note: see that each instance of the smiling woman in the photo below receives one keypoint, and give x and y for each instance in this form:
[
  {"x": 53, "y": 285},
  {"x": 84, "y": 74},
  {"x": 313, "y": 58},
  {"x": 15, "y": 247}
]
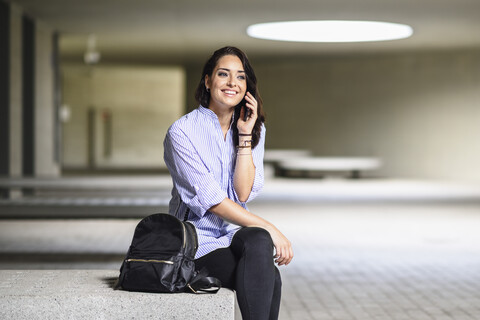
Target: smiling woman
[
  {"x": 215, "y": 158},
  {"x": 227, "y": 86}
]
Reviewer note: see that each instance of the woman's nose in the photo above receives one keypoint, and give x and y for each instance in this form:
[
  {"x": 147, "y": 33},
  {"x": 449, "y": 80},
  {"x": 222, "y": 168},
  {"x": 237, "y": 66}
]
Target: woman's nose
[{"x": 231, "y": 82}]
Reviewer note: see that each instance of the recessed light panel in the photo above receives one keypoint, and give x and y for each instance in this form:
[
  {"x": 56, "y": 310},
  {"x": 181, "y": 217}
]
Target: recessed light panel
[{"x": 329, "y": 31}]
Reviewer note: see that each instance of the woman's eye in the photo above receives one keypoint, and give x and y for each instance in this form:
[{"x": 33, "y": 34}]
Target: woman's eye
[
  {"x": 241, "y": 77},
  {"x": 222, "y": 74}
]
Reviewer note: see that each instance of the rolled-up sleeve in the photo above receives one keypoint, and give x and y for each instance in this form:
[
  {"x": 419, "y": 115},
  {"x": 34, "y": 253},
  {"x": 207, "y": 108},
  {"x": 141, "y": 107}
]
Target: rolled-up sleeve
[{"x": 195, "y": 183}]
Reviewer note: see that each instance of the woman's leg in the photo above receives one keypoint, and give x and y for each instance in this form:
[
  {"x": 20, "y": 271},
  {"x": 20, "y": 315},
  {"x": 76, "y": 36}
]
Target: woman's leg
[
  {"x": 258, "y": 282},
  {"x": 221, "y": 264},
  {"x": 277, "y": 294},
  {"x": 247, "y": 266}
]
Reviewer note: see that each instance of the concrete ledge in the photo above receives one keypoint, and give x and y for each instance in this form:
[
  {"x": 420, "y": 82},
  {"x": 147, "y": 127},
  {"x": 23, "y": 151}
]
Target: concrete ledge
[
  {"x": 88, "y": 294},
  {"x": 131, "y": 183},
  {"x": 80, "y": 208}
]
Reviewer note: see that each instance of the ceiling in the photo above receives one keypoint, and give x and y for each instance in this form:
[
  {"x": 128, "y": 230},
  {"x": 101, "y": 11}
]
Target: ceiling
[{"x": 183, "y": 30}]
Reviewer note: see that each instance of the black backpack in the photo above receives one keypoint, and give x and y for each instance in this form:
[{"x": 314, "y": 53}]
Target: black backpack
[{"x": 160, "y": 258}]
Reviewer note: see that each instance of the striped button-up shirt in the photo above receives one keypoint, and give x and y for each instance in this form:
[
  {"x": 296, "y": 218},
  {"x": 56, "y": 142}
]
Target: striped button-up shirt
[{"x": 202, "y": 162}]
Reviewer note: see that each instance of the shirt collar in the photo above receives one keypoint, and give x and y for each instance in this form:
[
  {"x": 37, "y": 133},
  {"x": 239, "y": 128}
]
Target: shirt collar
[
  {"x": 208, "y": 112},
  {"x": 213, "y": 115}
]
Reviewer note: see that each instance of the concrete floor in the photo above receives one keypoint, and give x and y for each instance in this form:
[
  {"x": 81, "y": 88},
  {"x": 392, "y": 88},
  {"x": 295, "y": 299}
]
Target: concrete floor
[{"x": 366, "y": 249}]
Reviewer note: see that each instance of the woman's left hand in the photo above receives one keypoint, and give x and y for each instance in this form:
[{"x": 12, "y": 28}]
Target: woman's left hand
[{"x": 243, "y": 126}]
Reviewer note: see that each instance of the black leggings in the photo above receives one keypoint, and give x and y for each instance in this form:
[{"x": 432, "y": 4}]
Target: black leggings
[{"x": 247, "y": 267}]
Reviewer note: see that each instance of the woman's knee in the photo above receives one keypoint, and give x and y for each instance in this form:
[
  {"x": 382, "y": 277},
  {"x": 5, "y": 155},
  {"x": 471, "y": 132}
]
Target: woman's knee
[{"x": 255, "y": 238}]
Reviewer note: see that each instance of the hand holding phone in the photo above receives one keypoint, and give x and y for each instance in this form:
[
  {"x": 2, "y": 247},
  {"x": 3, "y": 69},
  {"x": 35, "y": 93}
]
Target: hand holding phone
[{"x": 246, "y": 111}]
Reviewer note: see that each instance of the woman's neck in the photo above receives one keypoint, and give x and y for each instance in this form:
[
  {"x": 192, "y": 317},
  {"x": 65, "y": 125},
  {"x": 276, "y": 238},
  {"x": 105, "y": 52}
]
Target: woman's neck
[{"x": 225, "y": 118}]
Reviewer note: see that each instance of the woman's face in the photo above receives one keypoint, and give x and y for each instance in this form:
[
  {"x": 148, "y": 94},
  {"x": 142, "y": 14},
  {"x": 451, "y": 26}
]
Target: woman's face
[{"x": 228, "y": 83}]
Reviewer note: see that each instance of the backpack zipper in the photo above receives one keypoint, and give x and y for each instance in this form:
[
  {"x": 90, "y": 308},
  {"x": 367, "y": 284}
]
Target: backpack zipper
[
  {"x": 184, "y": 235},
  {"x": 150, "y": 260}
]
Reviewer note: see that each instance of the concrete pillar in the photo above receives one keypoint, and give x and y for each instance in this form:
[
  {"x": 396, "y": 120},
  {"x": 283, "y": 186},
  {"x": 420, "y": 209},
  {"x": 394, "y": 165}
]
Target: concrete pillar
[
  {"x": 27, "y": 104},
  {"x": 10, "y": 93},
  {"x": 15, "y": 91},
  {"x": 44, "y": 109},
  {"x": 4, "y": 88}
]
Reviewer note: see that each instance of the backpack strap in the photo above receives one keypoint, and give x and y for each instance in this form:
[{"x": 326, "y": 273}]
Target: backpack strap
[
  {"x": 185, "y": 218},
  {"x": 203, "y": 283}
]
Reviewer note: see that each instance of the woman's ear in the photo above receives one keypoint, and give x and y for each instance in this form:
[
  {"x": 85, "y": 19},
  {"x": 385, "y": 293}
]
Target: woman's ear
[{"x": 207, "y": 84}]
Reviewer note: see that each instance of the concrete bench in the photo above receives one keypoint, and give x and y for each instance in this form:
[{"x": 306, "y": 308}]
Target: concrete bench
[
  {"x": 315, "y": 166},
  {"x": 84, "y": 197},
  {"x": 89, "y": 294},
  {"x": 85, "y": 185},
  {"x": 81, "y": 207}
]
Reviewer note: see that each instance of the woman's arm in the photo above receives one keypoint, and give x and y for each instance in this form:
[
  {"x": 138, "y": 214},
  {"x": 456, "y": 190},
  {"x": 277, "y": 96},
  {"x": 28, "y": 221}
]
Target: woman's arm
[
  {"x": 244, "y": 174},
  {"x": 234, "y": 213}
]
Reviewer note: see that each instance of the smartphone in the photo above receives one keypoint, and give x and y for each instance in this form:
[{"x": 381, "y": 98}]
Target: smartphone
[
  {"x": 244, "y": 105},
  {"x": 246, "y": 113}
]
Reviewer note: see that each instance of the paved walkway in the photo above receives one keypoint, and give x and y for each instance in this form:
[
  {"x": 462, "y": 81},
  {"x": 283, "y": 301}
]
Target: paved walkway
[{"x": 357, "y": 256}]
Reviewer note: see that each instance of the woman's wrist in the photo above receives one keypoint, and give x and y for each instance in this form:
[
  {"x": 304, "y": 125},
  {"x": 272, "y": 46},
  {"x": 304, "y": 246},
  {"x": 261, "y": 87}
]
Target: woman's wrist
[
  {"x": 244, "y": 144},
  {"x": 244, "y": 140}
]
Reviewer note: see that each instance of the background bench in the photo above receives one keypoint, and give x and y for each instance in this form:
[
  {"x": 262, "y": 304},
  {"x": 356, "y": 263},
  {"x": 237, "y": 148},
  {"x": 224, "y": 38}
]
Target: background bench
[
  {"x": 84, "y": 197},
  {"x": 81, "y": 207},
  {"x": 273, "y": 157},
  {"x": 320, "y": 166},
  {"x": 87, "y": 184}
]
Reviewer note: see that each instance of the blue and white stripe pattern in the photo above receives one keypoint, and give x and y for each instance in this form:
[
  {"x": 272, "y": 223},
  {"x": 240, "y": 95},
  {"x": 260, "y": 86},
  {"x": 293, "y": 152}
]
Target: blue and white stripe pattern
[{"x": 201, "y": 163}]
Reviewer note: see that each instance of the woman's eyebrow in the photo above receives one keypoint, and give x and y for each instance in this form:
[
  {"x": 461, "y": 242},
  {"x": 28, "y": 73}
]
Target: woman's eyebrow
[{"x": 230, "y": 70}]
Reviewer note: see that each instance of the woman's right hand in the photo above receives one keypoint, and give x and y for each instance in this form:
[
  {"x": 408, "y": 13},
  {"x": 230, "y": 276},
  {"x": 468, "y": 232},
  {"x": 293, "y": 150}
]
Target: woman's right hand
[
  {"x": 283, "y": 247},
  {"x": 234, "y": 213}
]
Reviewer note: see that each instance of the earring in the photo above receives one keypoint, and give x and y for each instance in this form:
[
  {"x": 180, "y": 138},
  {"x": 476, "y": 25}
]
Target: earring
[{"x": 208, "y": 89}]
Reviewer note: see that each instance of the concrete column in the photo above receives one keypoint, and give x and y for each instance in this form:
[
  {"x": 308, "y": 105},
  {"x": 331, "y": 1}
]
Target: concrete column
[
  {"x": 26, "y": 143},
  {"x": 11, "y": 93},
  {"x": 15, "y": 91},
  {"x": 44, "y": 123},
  {"x": 4, "y": 88}
]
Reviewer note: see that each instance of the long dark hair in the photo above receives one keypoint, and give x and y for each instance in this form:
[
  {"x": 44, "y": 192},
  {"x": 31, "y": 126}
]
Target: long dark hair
[{"x": 203, "y": 96}]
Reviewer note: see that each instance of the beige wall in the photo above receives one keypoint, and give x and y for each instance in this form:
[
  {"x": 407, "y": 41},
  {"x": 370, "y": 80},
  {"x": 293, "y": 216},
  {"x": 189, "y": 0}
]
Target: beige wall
[
  {"x": 420, "y": 112},
  {"x": 143, "y": 102}
]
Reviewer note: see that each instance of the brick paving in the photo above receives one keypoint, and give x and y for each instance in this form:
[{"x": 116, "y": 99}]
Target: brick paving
[
  {"x": 381, "y": 262},
  {"x": 353, "y": 259}
]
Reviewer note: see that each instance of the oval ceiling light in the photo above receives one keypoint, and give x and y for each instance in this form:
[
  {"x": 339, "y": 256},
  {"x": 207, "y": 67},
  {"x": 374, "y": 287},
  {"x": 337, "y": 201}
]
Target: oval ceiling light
[{"x": 330, "y": 31}]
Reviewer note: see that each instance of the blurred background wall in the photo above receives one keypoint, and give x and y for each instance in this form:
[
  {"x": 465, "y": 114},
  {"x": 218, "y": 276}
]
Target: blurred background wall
[
  {"x": 117, "y": 116},
  {"x": 417, "y": 110}
]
